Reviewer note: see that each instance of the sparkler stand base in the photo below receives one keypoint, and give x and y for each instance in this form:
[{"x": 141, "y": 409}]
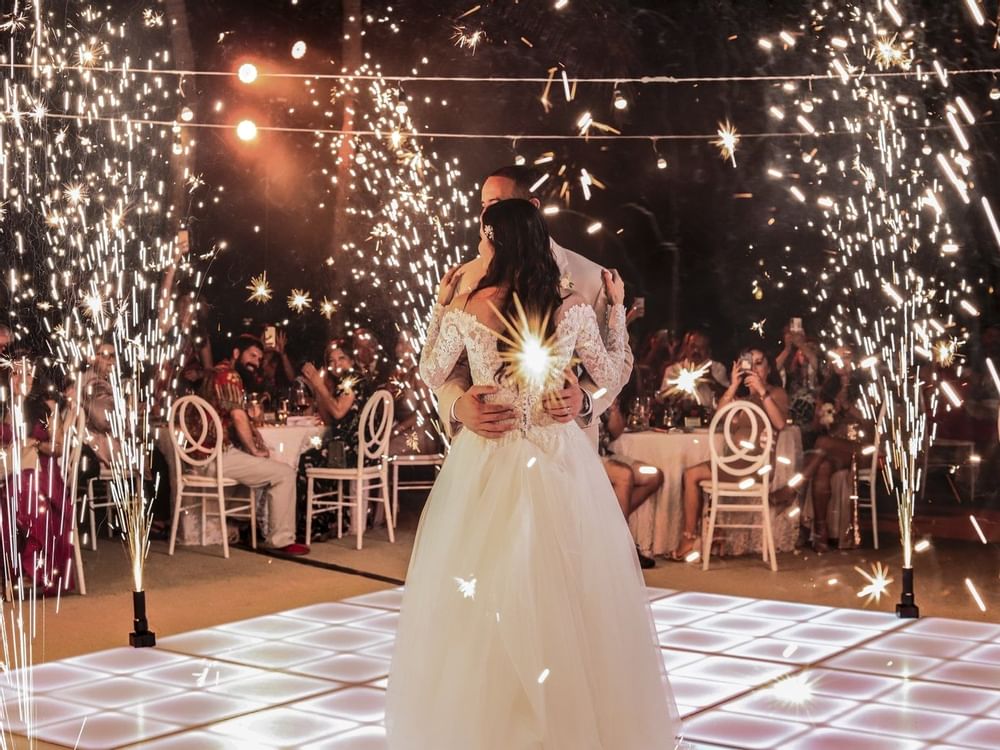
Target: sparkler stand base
[
  {"x": 142, "y": 637},
  {"x": 907, "y": 607}
]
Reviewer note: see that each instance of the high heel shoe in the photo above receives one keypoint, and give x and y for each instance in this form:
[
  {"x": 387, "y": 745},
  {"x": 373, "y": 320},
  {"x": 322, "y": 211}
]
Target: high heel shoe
[{"x": 682, "y": 553}]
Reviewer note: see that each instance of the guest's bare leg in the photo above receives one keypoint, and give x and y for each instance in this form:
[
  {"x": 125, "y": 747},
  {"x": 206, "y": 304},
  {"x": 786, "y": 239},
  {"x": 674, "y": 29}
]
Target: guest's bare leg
[
  {"x": 822, "y": 491},
  {"x": 644, "y": 486},
  {"x": 622, "y": 483},
  {"x": 692, "y": 504}
]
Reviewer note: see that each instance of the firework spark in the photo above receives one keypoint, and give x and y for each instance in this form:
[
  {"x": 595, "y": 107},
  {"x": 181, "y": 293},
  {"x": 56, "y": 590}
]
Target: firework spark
[
  {"x": 727, "y": 142},
  {"x": 299, "y": 300},
  {"x": 259, "y": 288},
  {"x": 878, "y": 583}
]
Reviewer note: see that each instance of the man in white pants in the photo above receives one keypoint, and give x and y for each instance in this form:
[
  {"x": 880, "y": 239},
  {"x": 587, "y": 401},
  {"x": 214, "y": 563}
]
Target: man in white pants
[{"x": 245, "y": 457}]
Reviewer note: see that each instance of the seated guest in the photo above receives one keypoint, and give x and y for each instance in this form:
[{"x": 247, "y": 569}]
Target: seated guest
[
  {"x": 696, "y": 350},
  {"x": 754, "y": 380},
  {"x": 341, "y": 392},
  {"x": 37, "y": 510},
  {"x": 276, "y": 371},
  {"x": 245, "y": 457},
  {"x": 633, "y": 481},
  {"x": 411, "y": 433},
  {"x": 661, "y": 347},
  {"x": 366, "y": 355},
  {"x": 98, "y": 401},
  {"x": 835, "y": 441},
  {"x": 6, "y": 337}
]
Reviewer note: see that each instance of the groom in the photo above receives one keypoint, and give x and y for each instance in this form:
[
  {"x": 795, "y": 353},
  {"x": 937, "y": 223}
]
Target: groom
[{"x": 460, "y": 403}]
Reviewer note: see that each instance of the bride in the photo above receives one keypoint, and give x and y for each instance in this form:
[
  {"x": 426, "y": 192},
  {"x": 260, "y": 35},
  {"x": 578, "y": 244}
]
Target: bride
[{"x": 525, "y": 623}]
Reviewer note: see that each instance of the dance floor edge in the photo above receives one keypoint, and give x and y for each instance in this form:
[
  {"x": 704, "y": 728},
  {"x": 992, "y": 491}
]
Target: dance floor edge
[{"x": 747, "y": 674}]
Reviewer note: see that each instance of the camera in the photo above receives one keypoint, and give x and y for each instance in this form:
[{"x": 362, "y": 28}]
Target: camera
[{"x": 746, "y": 367}]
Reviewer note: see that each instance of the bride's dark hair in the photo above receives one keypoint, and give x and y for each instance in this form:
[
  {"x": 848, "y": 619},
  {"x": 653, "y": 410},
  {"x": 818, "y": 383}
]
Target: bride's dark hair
[{"x": 522, "y": 262}]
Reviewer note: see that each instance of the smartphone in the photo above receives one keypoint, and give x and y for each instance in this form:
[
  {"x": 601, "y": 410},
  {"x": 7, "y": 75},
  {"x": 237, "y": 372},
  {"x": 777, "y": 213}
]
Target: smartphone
[
  {"x": 640, "y": 306},
  {"x": 270, "y": 337},
  {"x": 796, "y": 325},
  {"x": 746, "y": 365}
]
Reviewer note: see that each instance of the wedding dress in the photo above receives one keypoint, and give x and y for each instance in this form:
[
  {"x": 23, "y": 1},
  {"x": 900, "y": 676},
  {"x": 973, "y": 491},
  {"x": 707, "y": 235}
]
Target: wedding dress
[{"x": 525, "y": 623}]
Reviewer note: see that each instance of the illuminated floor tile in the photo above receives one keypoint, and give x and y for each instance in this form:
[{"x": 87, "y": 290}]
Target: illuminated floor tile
[
  {"x": 363, "y": 738},
  {"x": 746, "y": 672},
  {"x": 984, "y": 734},
  {"x": 51, "y": 676},
  {"x": 274, "y": 655},
  {"x": 702, "y": 693},
  {"x": 816, "y": 709},
  {"x": 966, "y": 673},
  {"x": 341, "y": 639},
  {"x": 674, "y": 660},
  {"x": 113, "y": 692},
  {"x": 198, "y": 674},
  {"x": 363, "y": 704},
  {"x": 126, "y": 660},
  {"x": 192, "y": 708},
  {"x": 102, "y": 731},
  {"x": 733, "y": 623},
  {"x": 208, "y": 642},
  {"x": 789, "y": 652},
  {"x": 940, "y": 697},
  {"x": 883, "y": 662},
  {"x": 711, "y": 602},
  {"x": 913, "y": 723},
  {"x": 346, "y": 668},
  {"x": 780, "y": 610},
  {"x": 807, "y": 632},
  {"x": 861, "y": 687},
  {"x": 385, "y": 623},
  {"x": 858, "y": 618},
  {"x": 836, "y": 739},
  {"x": 738, "y": 731},
  {"x": 653, "y": 593},
  {"x": 282, "y": 727},
  {"x": 383, "y": 650},
  {"x": 700, "y": 640},
  {"x": 44, "y": 711},
  {"x": 938, "y": 626},
  {"x": 386, "y": 599},
  {"x": 333, "y": 613},
  {"x": 985, "y": 654},
  {"x": 921, "y": 645},
  {"x": 274, "y": 687},
  {"x": 665, "y": 614},
  {"x": 201, "y": 741},
  {"x": 271, "y": 626}
]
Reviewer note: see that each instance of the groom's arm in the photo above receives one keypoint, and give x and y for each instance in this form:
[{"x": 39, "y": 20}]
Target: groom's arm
[
  {"x": 596, "y": 400},
  {"x": 453, "y": 389}
]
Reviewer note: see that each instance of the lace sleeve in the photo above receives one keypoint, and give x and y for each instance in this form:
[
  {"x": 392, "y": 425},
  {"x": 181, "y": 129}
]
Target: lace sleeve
[
  {"x": 607, "y": 366},
  {"x": 442, "y": 347}
]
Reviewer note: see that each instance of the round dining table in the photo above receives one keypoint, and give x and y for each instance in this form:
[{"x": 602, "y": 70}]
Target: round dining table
[
  {"x": 656, "y": 525},
  {"x": 288, "y": 442}
]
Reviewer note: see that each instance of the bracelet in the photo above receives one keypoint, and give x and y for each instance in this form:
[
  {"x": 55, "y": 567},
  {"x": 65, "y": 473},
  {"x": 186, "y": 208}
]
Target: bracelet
[{"x": 766, "y": 397}]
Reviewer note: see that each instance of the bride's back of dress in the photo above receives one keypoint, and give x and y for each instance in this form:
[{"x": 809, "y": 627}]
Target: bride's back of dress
[{"x": 577, "y": 332}]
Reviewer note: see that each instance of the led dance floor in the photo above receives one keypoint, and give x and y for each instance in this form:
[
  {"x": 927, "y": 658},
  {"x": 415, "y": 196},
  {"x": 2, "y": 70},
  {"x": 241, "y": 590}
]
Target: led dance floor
[{"x": 748, "y": 673}]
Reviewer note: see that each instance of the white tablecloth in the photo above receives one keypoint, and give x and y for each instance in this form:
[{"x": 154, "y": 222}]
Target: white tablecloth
[
  {"x": 657, "y": 524},
  {"x": 287, "y": 443}
]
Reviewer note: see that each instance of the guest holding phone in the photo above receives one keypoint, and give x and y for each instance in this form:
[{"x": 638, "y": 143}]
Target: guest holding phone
[{"x": 754, "y": 379}]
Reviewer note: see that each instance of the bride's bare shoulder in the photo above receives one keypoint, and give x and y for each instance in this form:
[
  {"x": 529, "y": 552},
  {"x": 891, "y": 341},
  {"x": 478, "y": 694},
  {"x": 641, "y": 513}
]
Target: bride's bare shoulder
[{"x": 479, "y": 304}]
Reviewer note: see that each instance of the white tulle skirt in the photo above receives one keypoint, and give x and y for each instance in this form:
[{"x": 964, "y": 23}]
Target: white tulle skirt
[{"x": 525, "y": 623}]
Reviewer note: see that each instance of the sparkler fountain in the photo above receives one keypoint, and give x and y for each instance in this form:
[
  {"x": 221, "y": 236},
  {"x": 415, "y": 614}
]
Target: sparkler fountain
[
  {"x": 86, "y": 172},
  {"x": 885, "y": 158}
]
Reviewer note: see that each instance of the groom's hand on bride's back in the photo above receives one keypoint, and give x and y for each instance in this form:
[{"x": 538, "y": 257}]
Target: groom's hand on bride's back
[
  {"x": 565, "y": 404},
  {"x": 486, "y": 420}
]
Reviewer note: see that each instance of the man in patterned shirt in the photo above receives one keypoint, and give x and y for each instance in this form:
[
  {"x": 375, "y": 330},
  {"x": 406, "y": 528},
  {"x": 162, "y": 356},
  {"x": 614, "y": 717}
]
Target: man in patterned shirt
[{"x": 245, "y": 457}]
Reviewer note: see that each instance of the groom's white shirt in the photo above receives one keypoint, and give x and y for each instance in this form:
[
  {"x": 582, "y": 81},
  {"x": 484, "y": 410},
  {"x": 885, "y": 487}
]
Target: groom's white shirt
[{"x": 584, "y": 277}]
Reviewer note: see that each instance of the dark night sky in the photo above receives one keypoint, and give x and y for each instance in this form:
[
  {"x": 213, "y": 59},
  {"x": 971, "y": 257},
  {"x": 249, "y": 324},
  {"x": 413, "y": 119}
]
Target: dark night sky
[{"x": 693, "y": 202}]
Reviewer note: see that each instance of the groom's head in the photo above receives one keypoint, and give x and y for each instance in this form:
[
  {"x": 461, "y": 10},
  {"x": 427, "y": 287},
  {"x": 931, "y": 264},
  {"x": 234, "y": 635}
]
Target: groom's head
[{"x": 510, "y": 182}]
